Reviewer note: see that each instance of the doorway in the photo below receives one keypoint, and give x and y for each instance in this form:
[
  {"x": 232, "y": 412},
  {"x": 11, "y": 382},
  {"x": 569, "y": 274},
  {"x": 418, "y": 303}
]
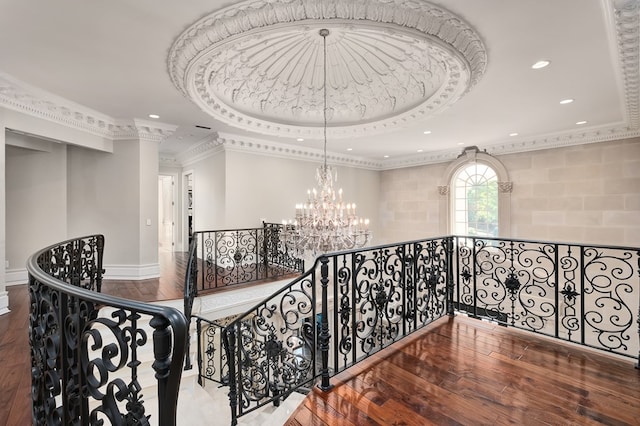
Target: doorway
[{"x": 166, "y": 213}]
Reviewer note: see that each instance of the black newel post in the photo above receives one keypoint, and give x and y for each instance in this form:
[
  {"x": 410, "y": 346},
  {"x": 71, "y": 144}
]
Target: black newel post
[
  {"x": 99, "y": 255},
  {"x": 162, "y": 363},
  {"x": 324, "y": 337},
  {"x": 229, "y": 336}
]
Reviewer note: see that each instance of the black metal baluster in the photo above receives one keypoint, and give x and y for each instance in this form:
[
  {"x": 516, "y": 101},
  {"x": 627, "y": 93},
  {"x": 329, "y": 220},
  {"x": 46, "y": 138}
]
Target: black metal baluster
[
  {"x": 556, "y": 277},
  {"x": 324, "y": 325},
  {"x": 582, "y": 299},
  {"x": 449, "y": 247},
  {"x": 229, "y": 337},
  {"x": 200, "y": 343}
]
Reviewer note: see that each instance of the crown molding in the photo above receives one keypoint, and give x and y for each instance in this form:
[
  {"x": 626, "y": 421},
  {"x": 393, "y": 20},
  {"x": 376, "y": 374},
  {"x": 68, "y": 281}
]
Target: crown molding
[
  {"x": 624, "y": 23},
  {"x": 22, "y": 97},
  {"x": 227, "y": 142},
  {"x": 238, "y": 143},
  {"x": 588, "y": 136},
  {"x": 221, "y": 142}
]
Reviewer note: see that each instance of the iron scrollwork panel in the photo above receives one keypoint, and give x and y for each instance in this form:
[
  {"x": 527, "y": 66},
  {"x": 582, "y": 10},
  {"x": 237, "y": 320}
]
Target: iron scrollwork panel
[
  {"x": 510, "y": 282},
  {"x": 609, "y": 286},
  {"x": 77, "y": 262},
  {"x": 429, "y": 281},
  {"x": 215, "y": 364},
  {"x": 237, "y": 256},
  {"x": 384, "y": 294},
  {"x": 109, "y": 346},
  {"x": 275, "y": 346}
]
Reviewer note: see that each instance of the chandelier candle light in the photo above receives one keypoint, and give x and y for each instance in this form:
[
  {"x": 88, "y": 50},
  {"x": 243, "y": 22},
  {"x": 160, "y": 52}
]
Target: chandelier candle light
[{"x": 325, "y": 223}]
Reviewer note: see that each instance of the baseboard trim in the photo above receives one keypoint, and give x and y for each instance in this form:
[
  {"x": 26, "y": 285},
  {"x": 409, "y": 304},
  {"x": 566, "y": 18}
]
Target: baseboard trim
[
  {"x": 16, "y": 277},
  {"x": 131, "y": 272},
  {"x": 112, "y": 272},
  {"x": 4, "y": 303}
]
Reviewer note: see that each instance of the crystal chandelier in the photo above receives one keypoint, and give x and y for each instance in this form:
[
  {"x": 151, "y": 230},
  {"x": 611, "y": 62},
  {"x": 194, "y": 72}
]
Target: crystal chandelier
[{"x": 324, "y": 222}]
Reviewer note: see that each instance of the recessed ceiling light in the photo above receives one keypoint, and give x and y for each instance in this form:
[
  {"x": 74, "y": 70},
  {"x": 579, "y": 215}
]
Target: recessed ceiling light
[
  {"x": 460, "y": 143},
  {"x": 300, "y": 139},
  {"x": 540, "y": 64},
  {"x": 420, "y": 150},
  {"x": 427, "y": 132},
  {"x": 566, "y": 101},
  {"x": 386, "y": 156},
  {"x": 513, "y": 134},
  {"x": 581, "y": 122},
  {"x": 349, "y": 149},
  {"x": 154, "y": 116}
]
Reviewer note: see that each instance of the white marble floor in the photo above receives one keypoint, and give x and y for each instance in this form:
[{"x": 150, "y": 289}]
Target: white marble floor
[{"x": 210, "y": 405}]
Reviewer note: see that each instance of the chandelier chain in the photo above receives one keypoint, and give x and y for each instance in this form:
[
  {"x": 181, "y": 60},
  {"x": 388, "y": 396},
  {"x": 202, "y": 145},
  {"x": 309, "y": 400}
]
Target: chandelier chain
[{"x": 324, "y": 35}]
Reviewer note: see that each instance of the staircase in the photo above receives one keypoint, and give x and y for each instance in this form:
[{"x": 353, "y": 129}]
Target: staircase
[{"x": 200, "y": 404}]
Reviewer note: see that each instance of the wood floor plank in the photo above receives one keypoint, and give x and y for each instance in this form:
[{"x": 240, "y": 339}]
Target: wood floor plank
[{"x": 465, "y": 371}]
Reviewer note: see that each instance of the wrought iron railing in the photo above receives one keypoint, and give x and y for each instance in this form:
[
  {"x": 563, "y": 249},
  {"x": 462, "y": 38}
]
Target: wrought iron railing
[
  {"x": 368, "y": 299},
  {"x": 224, "y": 258},
  {"x": 236, "y": 256},
  {"x": 350, "y": 305},
  {"x": 212, "y": 359},
  {"x": 86, "y": 346},
  {"x": 584, "y": 294}
]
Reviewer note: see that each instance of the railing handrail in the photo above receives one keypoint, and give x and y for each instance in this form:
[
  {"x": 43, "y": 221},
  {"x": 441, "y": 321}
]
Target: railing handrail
[
  {"x": 171, "y": 371},
  {"x": 563, "y": 243},
  {"x": 227, "y": 230}
]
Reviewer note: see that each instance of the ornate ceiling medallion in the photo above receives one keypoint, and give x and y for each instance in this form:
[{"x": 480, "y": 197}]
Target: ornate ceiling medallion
[{"x": 258, "y": 64}]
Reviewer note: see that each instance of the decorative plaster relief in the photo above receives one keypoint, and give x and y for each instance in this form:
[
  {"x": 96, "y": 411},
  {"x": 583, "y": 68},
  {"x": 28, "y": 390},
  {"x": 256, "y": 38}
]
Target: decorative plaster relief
[
  {"x": 627, "y": 21},
  {"x": 259, "y": 64},
  {"x": 505, "y": 187},
  {"x": 443, "y": 190}
]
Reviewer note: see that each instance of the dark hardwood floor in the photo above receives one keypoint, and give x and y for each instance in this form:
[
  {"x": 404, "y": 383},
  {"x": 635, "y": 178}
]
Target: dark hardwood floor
[{"x": 461, "y": 371}]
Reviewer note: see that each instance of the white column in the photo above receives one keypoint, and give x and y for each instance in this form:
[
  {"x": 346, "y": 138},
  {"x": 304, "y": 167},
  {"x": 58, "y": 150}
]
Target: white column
[{"x": 4, "y": 297}]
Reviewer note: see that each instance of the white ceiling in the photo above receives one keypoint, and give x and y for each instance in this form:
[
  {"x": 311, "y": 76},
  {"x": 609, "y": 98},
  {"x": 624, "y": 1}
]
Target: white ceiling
[{"x": 111, "y": 57}]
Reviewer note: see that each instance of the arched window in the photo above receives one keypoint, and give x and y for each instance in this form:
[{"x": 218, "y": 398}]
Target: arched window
[
  {"x": 475, "y": 201},
  {"x": 475, "y": 196}
]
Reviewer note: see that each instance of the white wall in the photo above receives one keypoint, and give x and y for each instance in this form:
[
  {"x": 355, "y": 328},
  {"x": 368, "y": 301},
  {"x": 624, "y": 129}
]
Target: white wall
[
  {"x": 4, "y": 298},
  {"x": 36, "y": 197},
  {"x": 249, "y": 187},
  {"x": 584, "y": 194},
  {"x": 114, "y": 194},
  {"x": 148, "y": 202},
  {"x": 409, "y": 203},
  {"x": 209, "y": 192}
]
